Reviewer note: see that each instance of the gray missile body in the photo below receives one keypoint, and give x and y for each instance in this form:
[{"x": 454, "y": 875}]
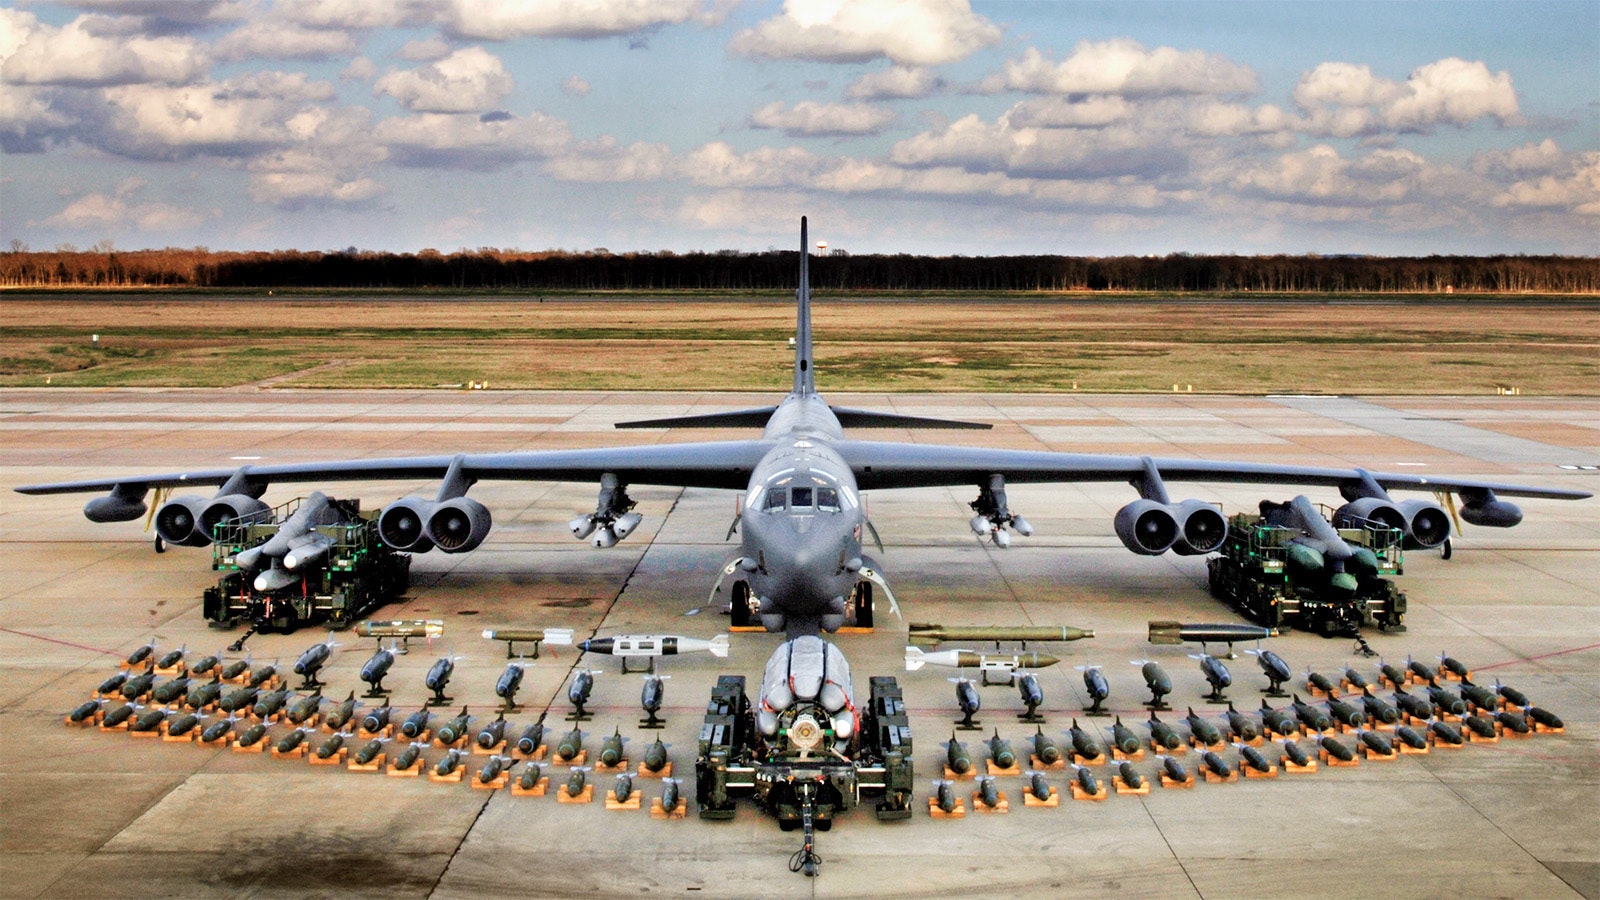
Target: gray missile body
[{"x": 1169, "y": 632}]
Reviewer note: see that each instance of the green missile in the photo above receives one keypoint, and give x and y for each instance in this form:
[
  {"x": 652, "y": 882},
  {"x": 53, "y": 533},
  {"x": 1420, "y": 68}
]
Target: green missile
[{"x": 928, "y": 634}]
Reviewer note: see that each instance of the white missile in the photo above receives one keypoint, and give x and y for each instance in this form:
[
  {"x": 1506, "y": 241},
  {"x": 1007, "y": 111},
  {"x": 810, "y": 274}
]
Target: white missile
[
  {"x": 916, "y": 658},
  {"x": 636, "y": 645}
]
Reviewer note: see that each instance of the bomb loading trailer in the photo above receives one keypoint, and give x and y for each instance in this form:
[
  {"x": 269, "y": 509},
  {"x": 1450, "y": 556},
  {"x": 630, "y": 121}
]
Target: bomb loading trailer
[{"x": 353, "y": 570}]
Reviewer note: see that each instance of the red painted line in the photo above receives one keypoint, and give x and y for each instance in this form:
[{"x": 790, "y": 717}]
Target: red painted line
[
  {"x": 1533, "y": 658},
  {"x": 40, "y": 637}
]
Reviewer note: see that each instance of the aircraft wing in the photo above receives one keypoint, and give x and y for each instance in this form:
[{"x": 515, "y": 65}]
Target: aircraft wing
[
  {"x": 897, "y": 465},
  {"x": 721, "y": 464}
]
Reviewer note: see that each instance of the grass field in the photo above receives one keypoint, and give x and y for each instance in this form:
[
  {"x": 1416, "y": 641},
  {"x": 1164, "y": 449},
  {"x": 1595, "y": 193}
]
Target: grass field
[{"x": 1371, "y": 344}]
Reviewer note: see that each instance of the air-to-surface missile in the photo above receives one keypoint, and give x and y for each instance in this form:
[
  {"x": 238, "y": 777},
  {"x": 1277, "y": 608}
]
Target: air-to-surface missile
[
  {"x": 928, "y": 634},
  {"x": 84, "y": 710},
  {"x": 570, "y": 746},
  {"x": 507, "y": 685},
  {"x": 651, "y": 696},
  {"x": 1356, "y": 680},
  {"x": 215, "y": 731},
  {"x": 1242, "y": 726},
  {"x": 139, "y": 685},
  {"x": 1048, "y": 752},
  {"x": 1162, "y": 735},
  {"x": 655, "y": 756},
  {"x": 1376, "y": 742},
  {"x": 408, "y": 757},
  {"x": 294, "y": 547},
  {"x": 578, "y": 693},
  {"x": 1005, "y": 663},
  {"x": 492, "y": 734},
  {"x": 1083, "y": 743},
  {"x": 1216, "y": 764},
  {"x": 1454, "y": 666},
  {"x": 512, "y": 636},
  {"x": 331, "y": 747},
  {"x": 670, "y": 795},
  {"x": 1479, "y": 725},
  {"x": 415, "y": 724},
  {"x": 1377, "y": 710},
  {"x": 235, "y": 669},
  {"x": 1094, "y": 682},
  {"x": 1320, "y": 682},
  {"x": 1411, "y": 737},
  {"x": 1445, "y": 732},
  {"x": 531, "y": 773},
  {"x": 311, "y": 662},
  {"x": 140, "y": 654},
  {"x": 1421, "y": 670},
  {"x": 531, "y": 738},
  {"x": 1336, "y": 749},
  {"x": 944, "y": 795},
  {"x": 1130, "y": 776},
  {"x": 492, "y": 768},
  {"x": 1174, "y": 770},
  {"x": 611, "y": 749},
  {"x": 1346, "y": 713},
  {"x": 171, "y": 658},
  {"x": 260, "y": 676},
  {"x": 401, "y": 628},
  {"x": 183, "y": 724},
  {"x": 304, "y": 708},
  {"x": 251, "y": 735},
  {"x": 1545, "y": 717},
  {"x": 1319, "y": 553},
  {"x": 1155, "y": 678},
  {"x": 368, "y": 752},
  {"x": 113, "y": 684},
  {"x": 1032, "y": 695},
  {"x": 374, "y": 670},
  {"x": 450, "y": 762},
  {"x": 170, "y": 690},
  {"x": 438, "y": 678},
  {"x": 1276, "y": 670},
  {"x": 119, "y": 715},
  {"x": 1512, "y": 695},
  {"x": 1123, "y": 738},
  {"x": 1513, "y": 722},
  {"x": 967, "y": 701},
  {"x": 635, "y": 646},
  {"x": 623, "y": 788},
  {"x": 203, "y": 693},
  {"x": 1295, "y": 754},
  {"x": 1281, "y": 722},
  {"x": 988, "y": 792},
  {"x": 576, "y": 781},
  {"x": 1166, "y": 632},
  {"x": 1086, "y": 780},
  {"x": 270, "y": 703},
  {"x": 455, "y": 729},
  {"x": 1039, "y": 786},
  {"x": 956, "y": 757},
  {"x": 1447, "y": 700},
  {"x": 205, "y": 664},
  {"x": 341, "y": 715},
  {"x": 1000, "y": 752},
  {"x": 1412, "y": 705},
  {"x": 291, "y": 740},
  {"x": 1216, "y": 675},
  {"x": 1312, "y": 717},
  {"x": 1480, "y": 696},
  {"x": 375, "y": 721},
  {"x": 1250, "y": 756},
  {"x": 1392, "y": 674},
  {"x": 1204, "y": 732}
]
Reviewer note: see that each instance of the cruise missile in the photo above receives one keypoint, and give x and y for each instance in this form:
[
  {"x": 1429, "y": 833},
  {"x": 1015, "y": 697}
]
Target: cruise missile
[
  {"x": 636, "y": 646},
  {"x": 401, "y": 628},
  {"x": 1007, "y": 663},
  {"x": 928, "y": 634},
  {"x": 1168, "y": 632}
]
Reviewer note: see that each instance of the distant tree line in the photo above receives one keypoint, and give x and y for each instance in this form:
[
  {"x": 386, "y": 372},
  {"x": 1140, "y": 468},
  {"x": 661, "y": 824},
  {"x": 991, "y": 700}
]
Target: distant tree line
[{"x": 600, "y": 270}]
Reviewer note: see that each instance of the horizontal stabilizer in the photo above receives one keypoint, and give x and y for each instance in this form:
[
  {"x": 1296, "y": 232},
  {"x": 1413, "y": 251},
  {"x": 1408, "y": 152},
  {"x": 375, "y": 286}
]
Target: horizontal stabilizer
[
  {"x": 738, "y": 418},
  {"x": 866, "y": 418}
]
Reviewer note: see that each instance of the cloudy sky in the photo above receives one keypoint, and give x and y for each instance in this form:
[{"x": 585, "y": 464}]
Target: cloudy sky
[{"x": 921, "y": 126}]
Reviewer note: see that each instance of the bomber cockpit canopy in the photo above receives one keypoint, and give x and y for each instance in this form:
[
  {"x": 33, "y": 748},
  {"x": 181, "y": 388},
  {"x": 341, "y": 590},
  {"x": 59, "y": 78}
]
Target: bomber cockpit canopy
[{"x": 802, "y": 492}]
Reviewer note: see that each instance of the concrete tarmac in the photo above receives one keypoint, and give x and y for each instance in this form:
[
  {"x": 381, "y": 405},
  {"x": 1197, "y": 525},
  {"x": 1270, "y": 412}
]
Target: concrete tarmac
[{"x": 91, "y": 814}]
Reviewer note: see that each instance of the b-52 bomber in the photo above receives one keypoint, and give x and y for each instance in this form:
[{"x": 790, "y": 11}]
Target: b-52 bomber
[{"x": 801, "y": 568}]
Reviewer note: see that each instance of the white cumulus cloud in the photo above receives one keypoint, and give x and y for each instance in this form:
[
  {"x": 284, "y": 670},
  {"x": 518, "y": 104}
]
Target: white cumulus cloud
[
  {"x": 120, "y": 210},
  {"x": 895, "y": 83},
  {"x": 1344, "y": 100},
  {"x": 269, "y": 40},
  {"x": 499, "y": 20},
  {"x": 811, "y": 119},
  {"x": 483, "y": 142},
  {"x": 907, "y": 32},
  {"x": 1124, "y": 66},
  {"x": 91, "y": 52},
  {"x": 468, "y": 80}
]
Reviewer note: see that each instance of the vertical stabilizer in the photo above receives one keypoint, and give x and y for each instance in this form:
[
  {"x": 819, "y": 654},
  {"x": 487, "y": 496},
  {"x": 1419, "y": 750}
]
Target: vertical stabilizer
[{"x": 804, "y": 385}]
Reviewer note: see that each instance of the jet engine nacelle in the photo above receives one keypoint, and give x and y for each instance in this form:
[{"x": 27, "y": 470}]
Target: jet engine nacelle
[
  {"x": 403, "y": 524},
  {"x": 178, "y": 521},
  {"x": 1189, "y": 528},
  {"x": 1491, "y": 513},
  {"x": 1424, "y": 522},
  {"x": 232, "y": 506},
  {"x": 459, "y": 525}
]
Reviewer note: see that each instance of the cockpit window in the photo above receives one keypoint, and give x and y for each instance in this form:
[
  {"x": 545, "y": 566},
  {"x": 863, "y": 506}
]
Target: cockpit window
[
  {"x": 828, "y": 499},
  {"x": 800, "y": 498},
  {"x": 774, "y": 499}
]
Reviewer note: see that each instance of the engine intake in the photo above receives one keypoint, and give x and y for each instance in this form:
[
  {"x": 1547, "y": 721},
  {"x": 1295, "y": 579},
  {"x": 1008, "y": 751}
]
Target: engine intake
[
  {"x": 403, "y": 524},
  {"x": 459, "y": 525},
  {"x": 178, "y": 521},
  {"x": 234, "y": 506},
  {"x": 1424, "y": 522},
  {"x": 1147, "y": 527}
]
